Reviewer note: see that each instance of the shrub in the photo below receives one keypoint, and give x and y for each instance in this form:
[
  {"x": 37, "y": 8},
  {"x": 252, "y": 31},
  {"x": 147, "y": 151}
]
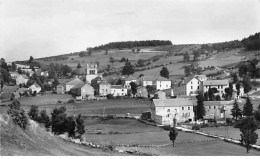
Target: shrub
[
  {"x": 33, "y": 113},
  {"x": 59, "y": 101},
  {"x": 70, "y": 126},
  {"x": 71, "y": 101},
  {"x": 80, "y": 126},
  {"x": 45, "y": 119},
  {"x": 58, "y": 117},
  {"x": 18, "y": 114},
  {"x": 195, "y": 127},
  {"x": 110, "y": 96}
]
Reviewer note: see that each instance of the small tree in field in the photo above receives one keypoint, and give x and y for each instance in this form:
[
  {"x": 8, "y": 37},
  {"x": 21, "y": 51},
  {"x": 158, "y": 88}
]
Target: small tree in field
[
  {"x": 133, "y": 87},
  {"x": 248, "y": 108},
  {"x": 78, "y": 66},
  {"x": 248, "y": 134},
  {"x": 33, "y": 113},
  {"x": 173, "y": 134},
  {"x": 200, "y": 110},
  {"x": 45, "y": 119},
  {"x": 80, "y": 126},
  {"x": 164, "y": 72},
  {"x": 235, "y": 111}
]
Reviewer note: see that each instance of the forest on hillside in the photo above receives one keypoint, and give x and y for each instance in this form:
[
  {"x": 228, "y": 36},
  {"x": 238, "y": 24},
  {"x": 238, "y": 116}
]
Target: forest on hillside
[
  {"x": 132, "y": 44},
  {"x": 252, "y": 42}
]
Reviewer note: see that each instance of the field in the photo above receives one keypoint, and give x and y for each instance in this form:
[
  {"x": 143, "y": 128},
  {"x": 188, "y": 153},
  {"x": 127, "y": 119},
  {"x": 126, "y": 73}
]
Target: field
[
  {"x": 131, "y": 132},
  {"x": 222, "y": 59}
]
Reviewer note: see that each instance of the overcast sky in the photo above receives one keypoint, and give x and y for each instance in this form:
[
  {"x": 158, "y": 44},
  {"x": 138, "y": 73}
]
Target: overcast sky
[{"x": 50, "y": 27}]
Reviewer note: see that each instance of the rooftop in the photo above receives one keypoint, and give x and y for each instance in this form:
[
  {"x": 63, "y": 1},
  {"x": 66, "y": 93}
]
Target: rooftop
[
  {"x": 117, "y": 87},
  {"x": 75, "y": 81},
  {"x": 218, "y": 103},
  {"x": 176, "y": 102},
  {"x": 104, "y": 82},
  {"x": 215, "y": 82}
]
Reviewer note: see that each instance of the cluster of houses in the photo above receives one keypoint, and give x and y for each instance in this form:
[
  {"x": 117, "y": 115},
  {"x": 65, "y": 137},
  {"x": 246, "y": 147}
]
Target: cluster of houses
[{"x": 171, "y": 100}]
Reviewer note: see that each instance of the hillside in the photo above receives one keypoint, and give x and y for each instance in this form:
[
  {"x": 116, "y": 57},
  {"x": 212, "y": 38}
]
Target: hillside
[{"x": 37, "y": 141}]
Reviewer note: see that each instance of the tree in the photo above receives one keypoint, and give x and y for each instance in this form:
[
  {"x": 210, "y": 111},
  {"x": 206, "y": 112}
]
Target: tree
[
  {"x": 234, "y": 77},
  {"x": 133, "y": 87},
  {"x": 164, "y": 72},
  {"x": 196, "y": 55},
  {"x": 31, "y": 59},
  {"x": 55, "y": 82},
  {"x": 248, "y": 108},
  {"x": 206, "y": 96},
  {"x": 133, "y": 50},
  {"x": 78, "y": 66},
  {"x": 20, "y": 70},
  {"x": 123, "y": 59},
  {"x": 95, "y": 85},
  {"x": 89, "y": 51},
  {"x": 119, "y": 82},
  {"x": 58, "y": 117},
  {"x": 187, "y": 70},
  {"x": 13, "y": 67},
  {"x": 236, "y": 111},
  {"x": 173, "y": 134},
  {"x": 2, "y": 85},
  {"x": 106, "y": 51},
  {"x": 128, "y": 69},
  {"x": 45, "y": 119},
  {"x": 112, "y": 60},
  {"x": 238, "y": 88},
  {"x": 200, "y": 110},
  {"x": 70, "y": 126},
  {"x": 34, "y": 113},
  {"x": 186, "y": 57},
  {"x": 5, "y": 75},
  {"x": 18, "y": 114},
  {"x": 211, "y": 94},
  {"x": 248, "y": 134},
  {"x": 218, "y": 98},
  {"x": 246, "y": 83},
  {"x": 80, "y": 126},
  {"x": 150, "y": 89},
  {"x": 66, "y": 69}
]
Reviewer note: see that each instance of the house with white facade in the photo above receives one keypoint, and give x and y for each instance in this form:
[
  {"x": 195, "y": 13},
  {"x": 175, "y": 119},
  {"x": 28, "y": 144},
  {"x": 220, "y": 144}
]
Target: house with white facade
[
  {"x": 218, "y": 109},
  {"x": 165, "y": 110},
  {"x": 72, "y": 83},
  {"x": 118, "y": 90},
  {"x": 21, "y": 79},
  {"x": 201, "y": 77},
  {"x": 83, "y": 91},
  {"x": 220, "y": 85},
  {"x": 161, "y": 83},
  {"x": 190, "y": 86},
  {"x": 35, "y": 88},
  {"x": 14, "y": 75},
  {"x": 128, "y": 80},
  {"x": 104, "y": 88}
]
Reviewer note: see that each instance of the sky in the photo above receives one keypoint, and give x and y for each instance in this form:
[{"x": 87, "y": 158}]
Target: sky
[{"x": 42, "y": 28}]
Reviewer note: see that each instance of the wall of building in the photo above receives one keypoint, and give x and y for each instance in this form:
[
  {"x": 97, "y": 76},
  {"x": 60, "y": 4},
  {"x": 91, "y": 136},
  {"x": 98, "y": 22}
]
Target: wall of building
[
  {"x": 119, "y": 92},
  {"x": 161, "y": 85},
  {"x": 104, "y": 89},
  {"x": 68, "y": 87},
  {"x": 87, "y": 90},
  {"x": 193, "y": 87},
  {"x": 220, "y": 88}
]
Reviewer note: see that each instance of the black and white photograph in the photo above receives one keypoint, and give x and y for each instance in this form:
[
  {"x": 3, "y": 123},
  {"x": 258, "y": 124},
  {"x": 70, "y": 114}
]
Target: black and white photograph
[{"x": 130, "y": 78}]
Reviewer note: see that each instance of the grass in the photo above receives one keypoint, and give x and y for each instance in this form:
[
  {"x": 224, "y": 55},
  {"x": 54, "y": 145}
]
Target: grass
[{"x": 233, "y": 133}]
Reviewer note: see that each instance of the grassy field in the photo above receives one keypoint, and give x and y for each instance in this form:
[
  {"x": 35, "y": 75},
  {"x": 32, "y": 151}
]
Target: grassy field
[
  {"x": 222, "y": 59},
  {"x": 233, "y": 133}
]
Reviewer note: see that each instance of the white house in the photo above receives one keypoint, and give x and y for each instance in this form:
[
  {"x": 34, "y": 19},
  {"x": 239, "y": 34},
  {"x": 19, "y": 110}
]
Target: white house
[
  {"x": 104, "y": 88},
  {"x": 218, "y": 109},
  {"x": 165, "y": 110},
  {"x": 73, "y": 83},
  {"x": 219, "y": 84},
  {"x": 34, "y": 88},
  {"x": 128, "y": 80},
  {"x": 201, "y": 77},
  {"x": 92, "y": 72},
  {"x": 118, "y": 90},
  {"x": 191, "y": 86},
  {"x": 162, "y": 83},
  {"x": 21, "y": 79},
  {"x": 83, "y": 91}
]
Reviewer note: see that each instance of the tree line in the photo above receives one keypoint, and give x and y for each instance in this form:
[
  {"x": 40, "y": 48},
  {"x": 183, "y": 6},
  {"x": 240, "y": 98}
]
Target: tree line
[
  {"x": 132, "y": 44},
  {"x": 252, "y": 42}
]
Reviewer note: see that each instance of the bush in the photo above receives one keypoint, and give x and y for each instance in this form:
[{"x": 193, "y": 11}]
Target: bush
[
  {"x": 80, "y": 126},
  {"x": 110, "y": 96},
  {"x": 71, "y": 101},
  {"x": 45, "y": 119},
  {"x": 195, "y": 127},
  {"x": 18, "y": 114},
  {"x": 33, "y": 113},
  {"x": 59, "y": 101},
  {"x": 58, "y": 117}
]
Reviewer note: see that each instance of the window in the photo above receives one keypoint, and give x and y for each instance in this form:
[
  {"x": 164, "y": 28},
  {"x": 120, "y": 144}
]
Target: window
[
  {"x": 191, "y": 82},
  {"x": 190, "y": 87},
  {"x": 214, "y": 107},
  {"x": 122, "y": 90},
  {"x": 188, "y": 108},
  {"x": 168, "y": 115},
  {"x": 221, "y": 87},
  {"x": 168, "y": 110},
  {"x": 188, "y": 114},
  {"x": 218, "y": 86},
  {"x": 182, "y": 108},
  {"x": 209, "y": 107},
  {"x": 198, "y": 82},
  {"x": 198, "y": 87}
]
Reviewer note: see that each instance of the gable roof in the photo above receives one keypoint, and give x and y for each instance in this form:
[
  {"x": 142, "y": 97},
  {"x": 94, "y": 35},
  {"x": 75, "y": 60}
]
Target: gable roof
[
  {"x": 36, "y": 84},
  {"x": 75, "y": 81},
  {"x": 200, "y": 76},
  {"x": 117, "y": 87},
  {"x": 188, "y": 79},
  {"x": 159, "y": 78},
  {"x": 104, "y": 82},
  {"x": 80, "y": 85},
  {"x": 176, "y": 102},
  {"x": 130, "y": 78},
  {"x": 215, "y": 82},
  {"x": 218, "y": 103}
]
